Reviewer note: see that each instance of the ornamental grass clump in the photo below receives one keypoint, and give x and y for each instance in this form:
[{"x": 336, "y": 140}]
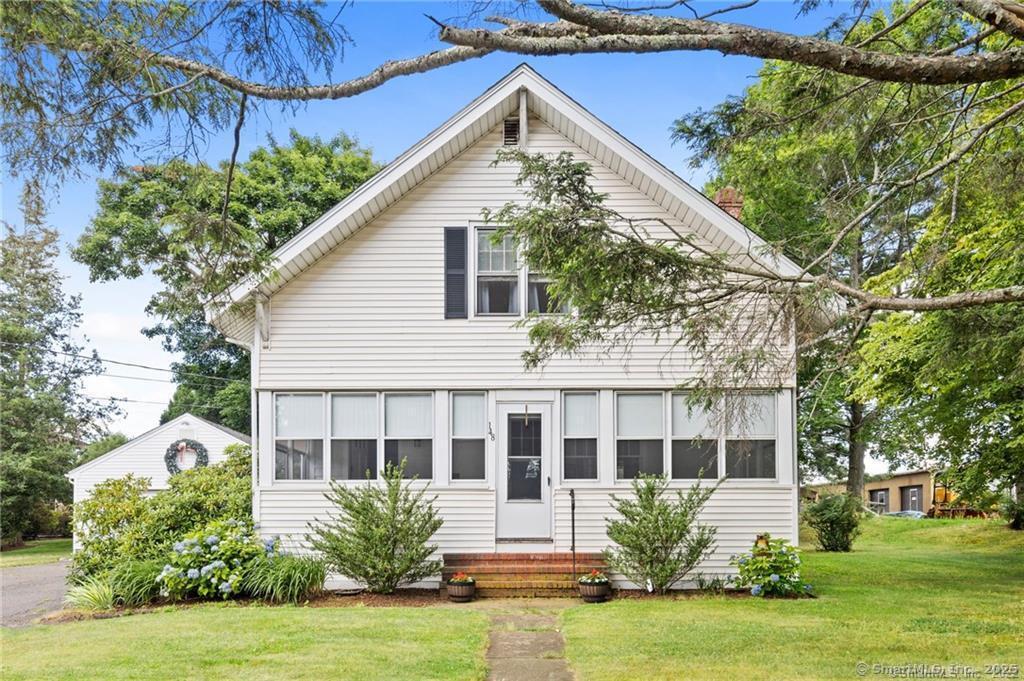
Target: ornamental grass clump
[
  {"x": 209, "y": 563},
  {"x": 92, "y": 593},
  {"x": 134, "y": 582},
  {"x": 283, "y": 578},
  {"x": 771, "y": 569},
  {"x": 835, "y": 519}
]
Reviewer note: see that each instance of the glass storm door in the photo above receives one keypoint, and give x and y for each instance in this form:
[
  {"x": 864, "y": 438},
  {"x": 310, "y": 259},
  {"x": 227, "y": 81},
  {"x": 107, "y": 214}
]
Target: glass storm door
[{"x": 524, "y": 471}]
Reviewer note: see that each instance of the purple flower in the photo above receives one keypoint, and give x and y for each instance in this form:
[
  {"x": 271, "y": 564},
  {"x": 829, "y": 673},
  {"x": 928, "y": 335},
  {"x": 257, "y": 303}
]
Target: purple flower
[
  {"x": 193, "y": 574},
  {"x": 756, "y": 591},
  {"x": 774, "y": 578}
]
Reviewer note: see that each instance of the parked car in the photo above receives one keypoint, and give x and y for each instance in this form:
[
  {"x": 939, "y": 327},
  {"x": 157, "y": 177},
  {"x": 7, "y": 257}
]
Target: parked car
[{"x": 916, "y": 515}]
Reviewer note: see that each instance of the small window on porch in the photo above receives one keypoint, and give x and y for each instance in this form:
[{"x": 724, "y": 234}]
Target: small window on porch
[
  {"x": 579, "y": 441},
  {"x": 469, "y": 425},
  {"x": 298, "y": 437},
  {"x": 408, "y": 433},
  {"x": 639, "y": 432},
  {"x": 694, "y": 441},
  {"x": 353, "y": 437},
  {"x": 750, "y": 437}
]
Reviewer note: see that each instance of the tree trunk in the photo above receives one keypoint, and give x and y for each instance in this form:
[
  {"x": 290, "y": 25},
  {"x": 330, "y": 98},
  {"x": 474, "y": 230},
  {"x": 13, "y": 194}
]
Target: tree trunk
[{"x": 857, "y": 447}]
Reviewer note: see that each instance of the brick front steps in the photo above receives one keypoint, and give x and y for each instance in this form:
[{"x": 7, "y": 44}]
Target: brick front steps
[{"x": 521, "y": 575}]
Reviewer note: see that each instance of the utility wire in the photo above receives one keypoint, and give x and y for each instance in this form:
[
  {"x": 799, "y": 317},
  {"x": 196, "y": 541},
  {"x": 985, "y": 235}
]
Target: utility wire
[{"x": 125, "y": 399}]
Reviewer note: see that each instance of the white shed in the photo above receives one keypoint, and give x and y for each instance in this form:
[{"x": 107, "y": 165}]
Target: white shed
[{"x": 145, "y": 456}]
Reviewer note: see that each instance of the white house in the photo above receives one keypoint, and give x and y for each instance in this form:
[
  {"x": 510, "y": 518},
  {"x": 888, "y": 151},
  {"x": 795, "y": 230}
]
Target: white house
[
  {"x": 389, "y": 332},
  {"x": 146, "y": 455}
]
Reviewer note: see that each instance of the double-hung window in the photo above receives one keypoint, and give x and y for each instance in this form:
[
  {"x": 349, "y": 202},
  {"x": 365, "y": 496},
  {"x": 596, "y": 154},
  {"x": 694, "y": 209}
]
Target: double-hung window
[
  {"x": 579, "y": 436},
  {"x": 409, "y": 432},
  {"x": 299, "y": 437},
  {"x": 750, "y": 436},
  {"x": 539, "y": 297},
  {"x": 354, "y": 436},
  {"x": 469, "y": 425},
  {"x": 694, "y": 440},
  {"x": 497, "y": 274},
  {"x": 639, "y": 434}
]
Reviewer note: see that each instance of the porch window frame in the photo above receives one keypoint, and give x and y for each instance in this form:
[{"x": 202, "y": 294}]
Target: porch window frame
[
  {"x": 488, "y": 452},
  {"x": 596, "y": 480},
  {"x": 378, "y": 439},
  {"x": 383, "y": 436},
  {"x": 324, "y": 441},
  {"x": 664, "y": 438},
  {"x": 733, "y": 435},
  {"x": 719, "y": 438}
]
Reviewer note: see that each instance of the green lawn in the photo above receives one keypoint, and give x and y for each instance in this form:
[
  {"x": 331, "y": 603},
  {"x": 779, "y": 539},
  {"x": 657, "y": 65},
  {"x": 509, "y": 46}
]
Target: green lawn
[
  {"x": 232, "y": 642},
  {"x": 932, "y": 591},
  {"x": 36, "y": 552}
]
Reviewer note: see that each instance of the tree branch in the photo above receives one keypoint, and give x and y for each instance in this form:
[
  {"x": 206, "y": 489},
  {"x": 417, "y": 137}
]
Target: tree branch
[{"x": 1007, "y": 17}]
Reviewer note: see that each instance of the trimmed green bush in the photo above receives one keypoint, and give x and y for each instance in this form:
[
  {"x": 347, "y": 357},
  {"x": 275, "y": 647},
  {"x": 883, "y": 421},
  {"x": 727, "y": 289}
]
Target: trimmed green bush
[
  {"x": 380, "y": 535},
  {"x": 835, "y": 519},
  {"x": 109, "y": 525},
  {"x": 134, "y": 582},
  {"x": 282, "y": 578},
  {"x": 658, "y": 539},
  {"x": 93, "y": 593}
]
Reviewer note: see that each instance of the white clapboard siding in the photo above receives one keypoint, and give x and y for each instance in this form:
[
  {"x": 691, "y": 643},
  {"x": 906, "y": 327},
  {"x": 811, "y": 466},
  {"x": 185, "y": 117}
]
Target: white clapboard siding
[{"x": 370, "y": 314}]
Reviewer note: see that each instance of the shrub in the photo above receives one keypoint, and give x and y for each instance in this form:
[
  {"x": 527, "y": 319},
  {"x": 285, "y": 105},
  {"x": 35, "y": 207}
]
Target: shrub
[
  {"x": 379, "y": 536},
  {"x": 209, "y": 563},
  {"x": 93, "y": 593},
  {"x": 658, "y": 539},
  {"x": 108, "y": 524},
  {"x": 1013, "y": 511},
  {"x": 772, "y": 568},
  {"x": 284, "y": 578},
  {"x": 134, "y": 582},
  {"x": 835, "y": 519}
]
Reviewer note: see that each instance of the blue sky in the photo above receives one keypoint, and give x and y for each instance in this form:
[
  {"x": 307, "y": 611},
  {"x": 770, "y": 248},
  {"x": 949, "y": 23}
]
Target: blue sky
[{"x": 638, "y": 95}]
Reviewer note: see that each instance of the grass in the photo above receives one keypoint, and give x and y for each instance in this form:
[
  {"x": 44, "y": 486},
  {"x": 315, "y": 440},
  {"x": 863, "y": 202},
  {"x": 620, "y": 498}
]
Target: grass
[
  {"x": 933, "y": 592},
  {"x": 36, "y": 553},
  {"x": 226, "y": 641}
]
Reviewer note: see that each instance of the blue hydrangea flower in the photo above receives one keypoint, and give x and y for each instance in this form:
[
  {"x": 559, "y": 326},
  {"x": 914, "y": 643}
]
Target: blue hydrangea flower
[
  {"x": 808, "y": 587},
  {"x": 193, "y": 574},
  {"x": 212, "y": 539},
  {"x": 774, "y": 578},
  {"x": 743, "y": 561},
  {"x": 225, "y": 587},
  {"x": 756, "y": 591},
  {"x": 179, "y": 547}
]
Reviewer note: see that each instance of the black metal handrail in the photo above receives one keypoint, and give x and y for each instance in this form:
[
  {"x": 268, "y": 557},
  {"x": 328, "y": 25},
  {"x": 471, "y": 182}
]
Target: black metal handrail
[{"x": 572, "y": 517}]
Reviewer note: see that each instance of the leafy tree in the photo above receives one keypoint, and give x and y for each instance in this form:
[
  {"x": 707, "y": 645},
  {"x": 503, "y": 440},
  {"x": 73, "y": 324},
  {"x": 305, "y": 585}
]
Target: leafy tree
[
  {"x": 44, "y": 412},
  {"x": 659, "y": 540},
  {"x": 381, "y": 533},
  {"x": 98, "y": 448},
  {"x": 167, "y": 218}
]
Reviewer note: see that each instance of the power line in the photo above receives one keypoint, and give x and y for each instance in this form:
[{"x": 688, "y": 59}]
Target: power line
[
  {"x": 125, "y": 399},
  {"x": 126, "y": 364}
]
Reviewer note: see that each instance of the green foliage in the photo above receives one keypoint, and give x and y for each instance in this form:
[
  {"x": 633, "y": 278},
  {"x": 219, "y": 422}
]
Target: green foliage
[
  {"x": 209, "y": 563},
  {"x": 1013, "y": 510},
  {"x": 282, "y": 578},
  {"x": 134, "y": 582},
  {"x": 773, "y": 570},
  {"x": 835, "y": 519},
  {"x": 108, "y": 526},
  {"x": 379, "y": 536},
  {"x": 44, "y": 412},
  {"x": 49, "y": 519},
  {"x": 98, "y": 448},
  {"x": 658, "y": 539},
  {"x": 94, "y": 593}
]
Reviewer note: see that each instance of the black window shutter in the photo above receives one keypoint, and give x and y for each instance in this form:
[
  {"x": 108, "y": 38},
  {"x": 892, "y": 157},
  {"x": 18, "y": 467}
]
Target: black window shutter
[{"x": 455, "y": 273}]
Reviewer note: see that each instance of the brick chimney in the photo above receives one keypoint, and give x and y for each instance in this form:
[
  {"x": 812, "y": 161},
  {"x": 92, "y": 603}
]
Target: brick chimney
[{"x": 730, "y": 200}]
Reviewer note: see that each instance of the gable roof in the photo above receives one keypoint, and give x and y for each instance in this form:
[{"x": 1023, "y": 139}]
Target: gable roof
[
  {"x": 457, "y": 134},
  {"x": 241, "y": 437}
]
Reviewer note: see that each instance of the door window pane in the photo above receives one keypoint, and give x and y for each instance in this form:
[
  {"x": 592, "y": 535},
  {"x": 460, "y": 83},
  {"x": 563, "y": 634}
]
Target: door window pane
[
  {"x": 524, "y": 457},
  {"x": 299, "y": 416},
  {"x": 639, "y": 415},
  {"x": 634, "y": 457},
  {"x": 299, "y": 460},
  {"x": 468, "y": 460},
  {"x": 691, "y": 459},
  {"x": 750, "y": 458},
  {"x": 418, "y": 455},
  {"x": 408, "y": 416},
  {"x": 353, "y": 459}
]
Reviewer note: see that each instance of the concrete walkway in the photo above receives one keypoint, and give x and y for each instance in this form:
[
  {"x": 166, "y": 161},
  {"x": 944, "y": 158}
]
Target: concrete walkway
[
  {"x": 31, "y": 591},
  {"x": 526, "y": 643}
]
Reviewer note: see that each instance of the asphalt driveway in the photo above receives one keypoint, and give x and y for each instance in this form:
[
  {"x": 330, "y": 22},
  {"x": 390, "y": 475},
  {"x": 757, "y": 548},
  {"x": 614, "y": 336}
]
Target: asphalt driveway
[{"x": 31, "y": 591}]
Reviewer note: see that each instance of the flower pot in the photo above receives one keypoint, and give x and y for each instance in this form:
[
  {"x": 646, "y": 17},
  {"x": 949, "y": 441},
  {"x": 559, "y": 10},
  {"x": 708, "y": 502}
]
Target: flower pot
[
  {"x": 461, "y": 593},
  {"x": 595, "y": 593}
]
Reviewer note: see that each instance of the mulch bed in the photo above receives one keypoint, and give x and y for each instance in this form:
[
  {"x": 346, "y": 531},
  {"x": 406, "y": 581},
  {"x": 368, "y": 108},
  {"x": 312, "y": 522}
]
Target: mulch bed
[{"x": 405, "y": 598}]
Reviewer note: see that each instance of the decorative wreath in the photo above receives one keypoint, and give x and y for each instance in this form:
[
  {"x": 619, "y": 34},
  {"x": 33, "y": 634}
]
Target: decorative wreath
[{"x": 178, "y": 447}]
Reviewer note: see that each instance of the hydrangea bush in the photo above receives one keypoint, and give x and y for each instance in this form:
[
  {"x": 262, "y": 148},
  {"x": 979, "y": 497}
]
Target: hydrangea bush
[
  {"x": 771, "y": 568},
  {"x": 209, "y": 563}
]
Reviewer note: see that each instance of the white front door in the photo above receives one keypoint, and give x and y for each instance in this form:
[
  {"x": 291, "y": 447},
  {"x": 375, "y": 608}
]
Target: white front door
[{"x": 524, "y": 471}]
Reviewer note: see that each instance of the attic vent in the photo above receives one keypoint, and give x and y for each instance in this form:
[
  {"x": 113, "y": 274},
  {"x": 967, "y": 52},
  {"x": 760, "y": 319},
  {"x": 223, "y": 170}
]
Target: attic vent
[{"x": 511, "y": 132}]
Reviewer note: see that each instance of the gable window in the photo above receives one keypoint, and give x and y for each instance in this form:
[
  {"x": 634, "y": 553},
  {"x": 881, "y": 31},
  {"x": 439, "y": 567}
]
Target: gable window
[
  {"x": 298, "y": 437},
  {"x": 579, "y": 436},
  {"x": 750, "y": 437},
  {"x": 639, "y": 434},
  {"x": 539, "y": 298},
  {"x": 694, "y": 441},
  {"x": 497, "y": 274},
  {"x": 353, "y": 436},
  {"x": 469, "y": 424},
  {"x": 409, "y": 433}
]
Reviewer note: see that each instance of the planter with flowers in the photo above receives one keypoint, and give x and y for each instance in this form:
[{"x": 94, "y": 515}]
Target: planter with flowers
[
  {"x": 595, "y": 587},
  {"x": 461, "y": 588}
]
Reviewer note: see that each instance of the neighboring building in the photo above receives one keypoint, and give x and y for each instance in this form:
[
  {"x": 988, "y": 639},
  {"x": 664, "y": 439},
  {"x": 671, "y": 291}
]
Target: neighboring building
[
  {"x": 390, "y": 331},
  {"x": 909, "y": 491},
  {"x": 146, "y": 455}
]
